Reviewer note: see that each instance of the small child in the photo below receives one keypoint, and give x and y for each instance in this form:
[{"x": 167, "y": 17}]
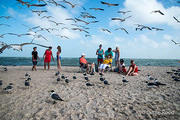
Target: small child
[{"x": 122, "y": 68}]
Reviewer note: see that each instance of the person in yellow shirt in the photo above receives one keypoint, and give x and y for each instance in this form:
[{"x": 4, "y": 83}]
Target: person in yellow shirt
[{"x": 106, "y": 63}]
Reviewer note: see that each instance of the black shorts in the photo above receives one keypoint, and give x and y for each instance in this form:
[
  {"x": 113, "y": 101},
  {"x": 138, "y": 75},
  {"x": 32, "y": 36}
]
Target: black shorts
[
  {"x": 34, "y": 62},
  {"x": 84, "y": 66}
]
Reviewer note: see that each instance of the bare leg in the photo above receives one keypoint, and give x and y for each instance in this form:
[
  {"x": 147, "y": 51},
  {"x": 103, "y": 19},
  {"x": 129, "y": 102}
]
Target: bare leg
[
  {"x": 44, "y": 66},
  {"x": 87, "y": 70},
  {"x": 129, "y": 71},
  {"x": 48, "y": 65},
  {"x": 35, "y": 68},
  {"x": 92, "y": 67}
]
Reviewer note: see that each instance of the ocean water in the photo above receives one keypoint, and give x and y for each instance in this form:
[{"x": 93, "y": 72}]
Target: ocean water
[{"x": 27, "y": 61}]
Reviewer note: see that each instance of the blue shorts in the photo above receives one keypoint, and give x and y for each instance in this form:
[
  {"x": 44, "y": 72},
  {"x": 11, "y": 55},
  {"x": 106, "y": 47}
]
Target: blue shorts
[{"x": 34, "y": 62}]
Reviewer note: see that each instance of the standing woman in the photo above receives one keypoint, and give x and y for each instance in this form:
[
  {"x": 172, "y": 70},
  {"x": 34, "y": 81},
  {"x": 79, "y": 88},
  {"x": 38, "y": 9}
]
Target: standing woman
[
  {"x": 117, "y": 56},
  {"x": 47, "y": 57},
  {"x": 59, "y": 58},
  {"x": 100, "y": 53}
]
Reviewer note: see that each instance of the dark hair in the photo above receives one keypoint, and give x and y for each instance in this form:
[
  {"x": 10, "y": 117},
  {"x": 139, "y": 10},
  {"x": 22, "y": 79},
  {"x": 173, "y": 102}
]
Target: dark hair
[
  {"x": 121, "y": 60},
  {"x": 50, "y": 47},
  {"x": 100, "y": 45},
  {"x": 34, "y": 47},
  {"x": 59, "y": 48},
  {"x": 132, "y": 60},
  {"x": 109, "y": 49}
]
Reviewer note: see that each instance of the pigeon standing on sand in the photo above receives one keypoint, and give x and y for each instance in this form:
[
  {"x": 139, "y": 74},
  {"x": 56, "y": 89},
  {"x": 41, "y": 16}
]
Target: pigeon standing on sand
[
  {"x": 101, "y": 79},
  {"x": 62, "y": 76},
  {"x": 1, "y": 83},
  {"x": 27, "y": 83},
  {"x": 66, "y": 80},
  {"x": 57, "y": 73},
  {"x": 55, "y": 96},
  {"x": 89, "y": 84},
  {"x": 58, "y": 79},
  {"x": 124, "y": 80},
  {"x": 74, "y": 77},
  {"x": 5, "y": 69},
  {"x": 106, "y": 82},
  {"x": 86, "y": 78},
  {"x": 9, "y": 87}
]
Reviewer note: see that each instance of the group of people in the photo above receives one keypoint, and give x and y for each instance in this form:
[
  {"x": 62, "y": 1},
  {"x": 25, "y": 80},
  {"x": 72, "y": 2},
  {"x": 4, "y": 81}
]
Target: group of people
[
  {"x": 104, "y": 61},
  {"x": 47, "y": 58}
]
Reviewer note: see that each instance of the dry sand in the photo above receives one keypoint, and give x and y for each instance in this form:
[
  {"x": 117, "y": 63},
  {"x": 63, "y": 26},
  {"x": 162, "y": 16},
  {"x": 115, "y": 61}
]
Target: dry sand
[{"x": 131, "y": 101}]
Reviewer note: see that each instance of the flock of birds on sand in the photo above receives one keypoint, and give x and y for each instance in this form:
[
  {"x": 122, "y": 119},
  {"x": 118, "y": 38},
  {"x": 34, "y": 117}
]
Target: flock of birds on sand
[
  {"x": 150, "y": 82},
  {"x": 35, "y": 32}
]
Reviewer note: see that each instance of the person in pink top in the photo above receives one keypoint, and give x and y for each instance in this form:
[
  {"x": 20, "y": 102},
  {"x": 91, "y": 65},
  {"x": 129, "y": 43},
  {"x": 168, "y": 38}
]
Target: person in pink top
[{"x": 47, "y": 57}]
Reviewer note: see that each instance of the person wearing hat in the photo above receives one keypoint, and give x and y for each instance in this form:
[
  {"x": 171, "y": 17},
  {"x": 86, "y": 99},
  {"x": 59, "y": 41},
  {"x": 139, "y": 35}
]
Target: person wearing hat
[
  {"x": 100, "y": 53},
  {"x": 86, "y": 65}
]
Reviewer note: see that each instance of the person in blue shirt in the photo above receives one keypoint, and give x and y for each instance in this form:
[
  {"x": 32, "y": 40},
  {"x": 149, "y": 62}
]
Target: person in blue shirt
[
  {"x": 109, "y": 52},
  {"x": 100, "y": 53}
]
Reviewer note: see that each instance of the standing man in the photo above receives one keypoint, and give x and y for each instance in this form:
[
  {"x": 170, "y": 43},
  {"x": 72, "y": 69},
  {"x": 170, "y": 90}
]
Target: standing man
[
  {"x": 100, "y": 53},
  {"x": 34, "y": 58}
]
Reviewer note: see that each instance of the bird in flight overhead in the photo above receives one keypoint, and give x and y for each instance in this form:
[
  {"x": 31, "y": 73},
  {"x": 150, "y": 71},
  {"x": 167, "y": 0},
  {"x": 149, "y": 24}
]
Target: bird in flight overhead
[
  {"x": 17, "y": 47},
  {"x": 121, "y": 28},
  {"x": 176, "y": 19},
  {"x": 106, "y": 30},
  {"x": 123, "y": 12},
  {"x": 97, "y": 9},
  {"x": 109, "y": 4},
  {"x": 121, "y": 19},
  {"x": 72, "y": 5},
  {"x": 175, "y": 42},
  {"x": 157, "y": 11}
]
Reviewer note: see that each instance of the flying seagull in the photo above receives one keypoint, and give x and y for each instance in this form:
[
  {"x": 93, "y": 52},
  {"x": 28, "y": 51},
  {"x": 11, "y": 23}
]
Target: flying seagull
[
  {"x": 106, "y": 30},
  {"x": 123, "y": 12},
  {"x": 17, "y": 47},
  {"x": 157, "y": 29},
  {"x": 109, "y": 4},
  {"x": 55, "y": 96},
  {"x": 72, "y": 5},
  {"x": 175, "y": 42},
  {"x": 71, "y": 19},
  {"x": 121, "y": 19},
  {"x": 47, "y": 17},
  {"x": 35, "y": 5},
  {"x": 176, "y": 19},
  {"x": 6, "y": 17},
  {"x": 81, "y": 21},
  {"x": 121, "y": 28},
  {"x": 57, "y": 4},
  {"x": 81, "y": 30},
  {"x": 39, "y": 12},
  {"x": 97, "y": 9},
  {"x": 157, "y": 11},
  {"x": 56, "y": 23}
]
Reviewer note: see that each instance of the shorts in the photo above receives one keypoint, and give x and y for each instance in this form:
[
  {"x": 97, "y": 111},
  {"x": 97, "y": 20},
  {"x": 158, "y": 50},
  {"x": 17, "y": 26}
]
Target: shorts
[
  {"x": 34, "y": 62},
  {"x": 100, "y": 60},
  {"x": 103, "y": 66},
  {"x": 84, "y": 66}
]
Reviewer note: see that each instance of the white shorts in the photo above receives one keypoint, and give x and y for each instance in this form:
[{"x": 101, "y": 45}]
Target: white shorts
[{"x": 103, "y": 66}]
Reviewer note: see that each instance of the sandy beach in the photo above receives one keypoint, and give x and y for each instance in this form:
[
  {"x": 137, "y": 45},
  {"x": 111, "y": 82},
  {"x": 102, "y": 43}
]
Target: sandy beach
[{"x": 119, "y": 101}]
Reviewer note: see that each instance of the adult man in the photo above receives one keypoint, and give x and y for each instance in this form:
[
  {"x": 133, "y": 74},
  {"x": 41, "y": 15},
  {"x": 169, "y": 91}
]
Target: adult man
[
  {"x": 34, "y": 58},
  {"x": 83, "y": 63}
]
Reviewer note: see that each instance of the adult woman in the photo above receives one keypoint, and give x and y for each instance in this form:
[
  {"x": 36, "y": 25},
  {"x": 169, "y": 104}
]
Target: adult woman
[
  {"x": 47, "y": 57},
  {"x": 100, "y": 53},
  {"x": 58, "y": 58},
  {"x": 117, "y": 56},
  {"x": 133, "y": 69}
]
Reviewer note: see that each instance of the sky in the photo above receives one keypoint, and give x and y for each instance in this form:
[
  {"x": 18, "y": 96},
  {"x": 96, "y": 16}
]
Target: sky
[{"x": 150, "y": 44}]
